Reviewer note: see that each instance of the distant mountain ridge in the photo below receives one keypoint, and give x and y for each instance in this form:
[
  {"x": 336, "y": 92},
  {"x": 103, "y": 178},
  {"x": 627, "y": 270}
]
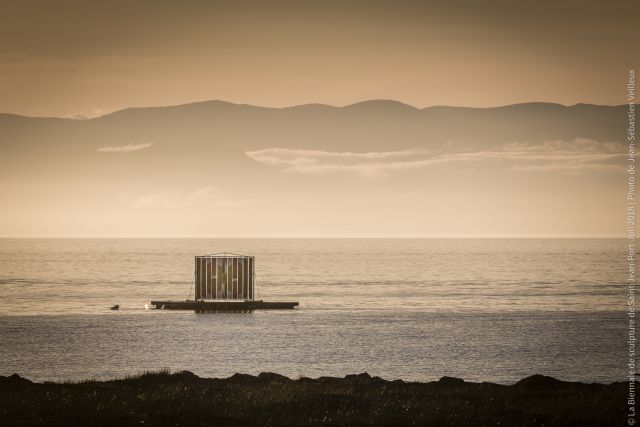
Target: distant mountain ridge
[
  {"x": 382, "y": 159},
  {"x": 367, "y": 125},
  {"x": 366, "y": 105},
  {"x": 224, "y": 132}
]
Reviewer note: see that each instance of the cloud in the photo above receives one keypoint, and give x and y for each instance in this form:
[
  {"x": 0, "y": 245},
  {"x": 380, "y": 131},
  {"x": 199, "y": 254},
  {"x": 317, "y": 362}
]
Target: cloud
[
  {"x": 319, "y": 161},
  {"x": 211, "y": 196},
  {"x": 202, "y": 198},
  {"x": 569, "y": 156},
  {"x": 90, "y": 114},
  {"x": 124, "y": 148}
]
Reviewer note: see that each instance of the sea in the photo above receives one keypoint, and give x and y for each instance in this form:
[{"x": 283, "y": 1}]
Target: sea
[{"x": 414, "y": 309}]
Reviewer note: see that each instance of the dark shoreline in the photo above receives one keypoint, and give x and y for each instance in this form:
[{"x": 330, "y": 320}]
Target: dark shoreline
[{"x": 270, "y": 399}]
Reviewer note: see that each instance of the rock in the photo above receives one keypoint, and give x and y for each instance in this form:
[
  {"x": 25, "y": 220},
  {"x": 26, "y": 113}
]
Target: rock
[
  {"x": 242, "y": 377},
  {"x": 270, "y": 376},
  {"x": 540, "y": 382},
  {"x": 450, "y": 381},
  {"x": 359, "y": 378},
  {"x": 14, "y": 379},
  {"x": 186, "y": 377}
]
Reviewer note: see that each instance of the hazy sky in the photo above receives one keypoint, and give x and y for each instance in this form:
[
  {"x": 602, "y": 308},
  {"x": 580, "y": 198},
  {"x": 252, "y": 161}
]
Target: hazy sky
[
  {"x": 61, "y": 58},
  {"x": 373, "y": 169}
]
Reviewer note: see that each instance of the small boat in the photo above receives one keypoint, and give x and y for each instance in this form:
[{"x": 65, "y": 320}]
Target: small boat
[{"x": 115, "y": 307}]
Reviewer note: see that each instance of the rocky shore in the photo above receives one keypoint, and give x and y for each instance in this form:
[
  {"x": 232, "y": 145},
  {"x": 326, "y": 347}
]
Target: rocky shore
[{"x": 274, "y": 400}]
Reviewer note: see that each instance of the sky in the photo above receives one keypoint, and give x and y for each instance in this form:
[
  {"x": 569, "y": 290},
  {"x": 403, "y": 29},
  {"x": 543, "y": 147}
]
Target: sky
[
  {"x": 79, "y": 58},
  {"x": 374, "y": 169},
  {"x": 377, "y": 169}
]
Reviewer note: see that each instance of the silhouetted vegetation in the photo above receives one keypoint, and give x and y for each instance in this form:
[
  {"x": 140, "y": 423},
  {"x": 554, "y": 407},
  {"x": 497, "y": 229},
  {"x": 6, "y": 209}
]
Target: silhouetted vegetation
[{"x": 162, "y": 398}]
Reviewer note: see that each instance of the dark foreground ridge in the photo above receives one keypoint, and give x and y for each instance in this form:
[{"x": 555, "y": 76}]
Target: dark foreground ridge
[{"x": 270, "y": 399}]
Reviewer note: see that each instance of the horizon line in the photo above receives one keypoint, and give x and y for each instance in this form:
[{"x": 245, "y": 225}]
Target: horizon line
[
  {"x": 82, "y": 117},
  {"x": 310, "y": 237}
]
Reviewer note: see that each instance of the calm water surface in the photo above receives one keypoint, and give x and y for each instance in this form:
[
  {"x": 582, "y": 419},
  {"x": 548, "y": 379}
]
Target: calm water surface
[{"x": 416, "y": 309}]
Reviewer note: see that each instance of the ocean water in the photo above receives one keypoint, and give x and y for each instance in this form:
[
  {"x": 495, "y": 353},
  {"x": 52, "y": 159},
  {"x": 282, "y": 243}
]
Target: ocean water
[{"x": 417, "y": 309}]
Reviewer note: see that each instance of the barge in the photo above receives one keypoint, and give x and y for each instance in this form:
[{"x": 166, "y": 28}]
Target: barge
[
  {"x": 224, "y": 282},
  {"x": 223, "y": 306}
]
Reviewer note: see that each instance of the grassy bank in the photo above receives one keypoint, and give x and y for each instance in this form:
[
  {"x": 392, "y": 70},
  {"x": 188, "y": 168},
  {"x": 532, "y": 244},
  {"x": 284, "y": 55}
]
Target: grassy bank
[{"x": 183, "y": 398}]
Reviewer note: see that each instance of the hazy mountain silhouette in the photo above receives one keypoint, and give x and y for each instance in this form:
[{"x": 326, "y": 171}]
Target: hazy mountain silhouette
[
  {"x": 220, "y": 132},
  {"x": 218, "y": 119},
  {"x": 181, "y": 148}
]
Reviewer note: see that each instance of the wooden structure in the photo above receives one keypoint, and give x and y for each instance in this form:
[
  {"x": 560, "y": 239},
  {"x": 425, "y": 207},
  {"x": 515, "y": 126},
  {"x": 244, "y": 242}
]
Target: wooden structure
[
  {"x": 224, "y": 282},
  {"x": 224, "y": 277}
]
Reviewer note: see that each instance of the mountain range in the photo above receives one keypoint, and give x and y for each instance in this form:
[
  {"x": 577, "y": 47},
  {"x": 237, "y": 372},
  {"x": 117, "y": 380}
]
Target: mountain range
[{"x": 374, "y": 168}]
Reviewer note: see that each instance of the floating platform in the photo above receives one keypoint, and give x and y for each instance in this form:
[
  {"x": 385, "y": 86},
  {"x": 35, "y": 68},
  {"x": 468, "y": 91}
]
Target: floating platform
[{"x": 223, "y": 306}]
